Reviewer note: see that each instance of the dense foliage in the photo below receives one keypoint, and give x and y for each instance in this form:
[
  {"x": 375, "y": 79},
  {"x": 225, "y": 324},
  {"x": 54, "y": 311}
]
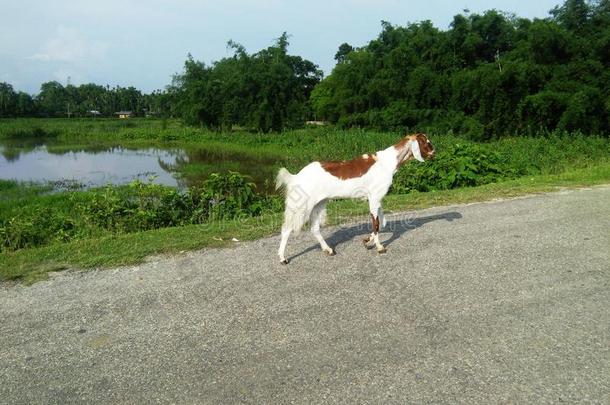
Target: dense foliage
[
  {"x": 28, "y": 221},
  {"x": 487, "y": 76},
  {"x": 268, "y": 90}
]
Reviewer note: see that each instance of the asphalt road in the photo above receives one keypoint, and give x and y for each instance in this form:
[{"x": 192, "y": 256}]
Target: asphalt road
[{"x": 503, "y": 302}]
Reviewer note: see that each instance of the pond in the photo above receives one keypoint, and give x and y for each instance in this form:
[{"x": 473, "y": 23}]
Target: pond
[{"x": 46, "y": 160}]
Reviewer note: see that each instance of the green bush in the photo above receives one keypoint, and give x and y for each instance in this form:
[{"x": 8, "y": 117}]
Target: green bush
[
  {"x": 230, "y": 196},
  {"x": 461, "y": 165},
  {"x": 136, "y": 207},
  {"x": 35, "y": 226}
]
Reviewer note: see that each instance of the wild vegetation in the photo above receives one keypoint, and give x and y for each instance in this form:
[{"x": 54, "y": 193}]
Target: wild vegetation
[
  {"x": 35, "y": 215},
  {"x": 268, "y": 90},
  {"x": 512, "y": 106},
  {"x": 489, "y": 75},
  {"x": 85, "y": 100},
  {"x": 34, "y": 218}
]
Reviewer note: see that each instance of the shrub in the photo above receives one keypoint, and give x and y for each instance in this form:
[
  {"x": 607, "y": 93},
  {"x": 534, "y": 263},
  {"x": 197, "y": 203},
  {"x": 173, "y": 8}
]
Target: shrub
[
  {"x": 36, "y": 226},
  {"x": 230, "y": 196},
  {"x": 136, "y": 207},
  {"x": 460, "y": 165}
]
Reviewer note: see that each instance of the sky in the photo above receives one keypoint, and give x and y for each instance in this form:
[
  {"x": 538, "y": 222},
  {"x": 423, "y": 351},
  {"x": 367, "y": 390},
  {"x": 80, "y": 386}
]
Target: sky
[{"x": 143, "y": 43}]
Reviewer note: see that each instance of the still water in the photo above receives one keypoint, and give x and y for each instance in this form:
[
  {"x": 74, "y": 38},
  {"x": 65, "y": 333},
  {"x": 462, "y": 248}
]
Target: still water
[{"x": 42, "y": 160}]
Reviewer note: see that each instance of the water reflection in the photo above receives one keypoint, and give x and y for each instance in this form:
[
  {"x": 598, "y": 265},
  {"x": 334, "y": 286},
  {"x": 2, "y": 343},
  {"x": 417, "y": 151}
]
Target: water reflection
[
  {"x": 95, "y": 165},
  {"x": 11, "y": 149}
]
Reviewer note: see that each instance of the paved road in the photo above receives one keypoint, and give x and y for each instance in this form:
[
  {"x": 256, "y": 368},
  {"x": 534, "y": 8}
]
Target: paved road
[{"x": 496, "y": 302}]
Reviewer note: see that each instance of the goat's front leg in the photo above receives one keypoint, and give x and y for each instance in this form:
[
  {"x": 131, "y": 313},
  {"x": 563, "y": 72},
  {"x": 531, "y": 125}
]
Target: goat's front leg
[{"x": 375, "y": 209}]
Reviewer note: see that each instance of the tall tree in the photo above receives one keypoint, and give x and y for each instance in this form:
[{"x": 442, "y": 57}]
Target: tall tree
[{"x": 267, "y": 90}]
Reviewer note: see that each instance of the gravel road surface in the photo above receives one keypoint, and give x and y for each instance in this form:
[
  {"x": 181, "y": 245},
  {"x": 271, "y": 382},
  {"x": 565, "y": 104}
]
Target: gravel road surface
[{"x": 500, "y": 302}]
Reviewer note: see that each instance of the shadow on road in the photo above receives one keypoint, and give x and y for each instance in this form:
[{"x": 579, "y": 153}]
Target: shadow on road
[{"x": 397, "y": 228}]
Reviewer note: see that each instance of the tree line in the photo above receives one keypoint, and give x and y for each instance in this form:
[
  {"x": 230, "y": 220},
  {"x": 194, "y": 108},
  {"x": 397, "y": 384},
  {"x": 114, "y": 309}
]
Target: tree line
[
  {"x": 487, "y": 75},
  {"x": 56, "y": 100}
]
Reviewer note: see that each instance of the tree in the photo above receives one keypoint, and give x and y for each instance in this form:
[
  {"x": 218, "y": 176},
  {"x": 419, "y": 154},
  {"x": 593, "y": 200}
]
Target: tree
[
  {"x": 342, "y": 52},
  {"x": 52, "y": 99},
  {"x": 573, "y": 14},
  {"x": 268, "y": 90},
  {"x": 8, "y": 100}
]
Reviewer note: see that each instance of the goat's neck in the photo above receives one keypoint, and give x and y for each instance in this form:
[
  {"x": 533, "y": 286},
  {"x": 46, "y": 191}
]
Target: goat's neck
[
  {"x": 402, "y": 153},
  {"x": 394, "y": 156}
]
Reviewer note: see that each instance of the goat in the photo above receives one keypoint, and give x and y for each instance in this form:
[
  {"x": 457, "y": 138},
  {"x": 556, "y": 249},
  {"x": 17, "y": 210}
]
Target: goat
[{"x": 369, "y": 177}]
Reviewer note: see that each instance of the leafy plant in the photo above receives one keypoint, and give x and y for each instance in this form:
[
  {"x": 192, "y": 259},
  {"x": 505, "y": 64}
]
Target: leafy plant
[
  {"x": 461, "y": 165},
  {"x": 136, "y": 207}
]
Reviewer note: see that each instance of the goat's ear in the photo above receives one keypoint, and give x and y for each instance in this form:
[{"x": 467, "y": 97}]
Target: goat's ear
[{"x": 415, "y": 150}]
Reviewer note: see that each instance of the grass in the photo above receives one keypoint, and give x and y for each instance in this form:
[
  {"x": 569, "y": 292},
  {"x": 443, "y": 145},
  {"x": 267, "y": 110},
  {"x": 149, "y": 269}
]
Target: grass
[
  {"x": 11, "y": 190},
  {"x": 528, "y": 165},
  {"x": 295, "y": 146},
  {"x": 30, "y": 265}
]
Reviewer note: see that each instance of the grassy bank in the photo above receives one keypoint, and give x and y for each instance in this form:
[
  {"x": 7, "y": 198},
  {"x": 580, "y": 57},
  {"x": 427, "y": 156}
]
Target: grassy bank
[
  {"x": 109, "y": 250},
  {"x": 460, "y": 162},
  {"x": 544, "y": 154},
  {"x": 41, "y": 230}
]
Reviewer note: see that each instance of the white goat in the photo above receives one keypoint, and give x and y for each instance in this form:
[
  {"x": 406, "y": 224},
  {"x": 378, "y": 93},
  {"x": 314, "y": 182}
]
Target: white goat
[{"x": 368, "y": 176}]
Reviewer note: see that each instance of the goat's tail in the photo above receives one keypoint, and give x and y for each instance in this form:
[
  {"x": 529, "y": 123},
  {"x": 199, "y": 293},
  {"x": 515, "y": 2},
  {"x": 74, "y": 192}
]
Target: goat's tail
[
  {"x": 283, "y": 179},
  {"x": 296, "y": 212}
]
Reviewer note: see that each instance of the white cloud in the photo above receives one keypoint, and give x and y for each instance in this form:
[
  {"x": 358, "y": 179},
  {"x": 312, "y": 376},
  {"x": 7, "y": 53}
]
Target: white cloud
[{"x": 70, "y": 46}]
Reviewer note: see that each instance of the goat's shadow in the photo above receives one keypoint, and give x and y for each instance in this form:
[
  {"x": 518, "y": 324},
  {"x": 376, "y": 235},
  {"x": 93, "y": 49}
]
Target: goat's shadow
[{"x": 397, "y": 227}]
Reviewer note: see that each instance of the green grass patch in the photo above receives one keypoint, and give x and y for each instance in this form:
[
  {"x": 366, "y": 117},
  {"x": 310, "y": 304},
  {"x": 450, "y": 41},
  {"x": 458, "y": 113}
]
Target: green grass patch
[
  {"x": 295, "y": 146},
  {"x": 30, "y": 265},
  {"x": 43, "y": 228},
  {"x": 14, "y": 191}
]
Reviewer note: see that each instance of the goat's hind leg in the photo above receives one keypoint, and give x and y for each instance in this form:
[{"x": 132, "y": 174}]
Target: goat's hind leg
[
  {"x": 376, "y": 218},
  {"x": 371, "y": 238},
  {"x": 285, "y": 234},
  {"x": 317, "y": 216},
  {"x": 374, "y": 236},
  {"x": 294, "y": 217}
]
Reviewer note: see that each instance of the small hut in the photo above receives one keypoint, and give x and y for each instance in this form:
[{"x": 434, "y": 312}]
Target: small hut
[{"x": 124, "y": 114}]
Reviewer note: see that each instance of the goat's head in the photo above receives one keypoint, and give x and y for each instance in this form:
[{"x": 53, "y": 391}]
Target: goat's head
[
  {"x": 416, "y": 146},
  {"x": 421, "y": 147}
]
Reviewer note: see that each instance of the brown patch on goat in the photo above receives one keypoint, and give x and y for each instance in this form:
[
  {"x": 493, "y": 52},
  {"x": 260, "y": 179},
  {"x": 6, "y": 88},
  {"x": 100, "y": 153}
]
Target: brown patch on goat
[
  {"x": 403, "y": 142},
  {"x": 350, "y": 169},
  {"x": 375, "y": 223},
  {"x": 425, "y": 146}
]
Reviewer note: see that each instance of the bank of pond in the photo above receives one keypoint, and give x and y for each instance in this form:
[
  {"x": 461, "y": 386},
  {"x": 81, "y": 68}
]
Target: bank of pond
[{"x": 61, "y": 186}]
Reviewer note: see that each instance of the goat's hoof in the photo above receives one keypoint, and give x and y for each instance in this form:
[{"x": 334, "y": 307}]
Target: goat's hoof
[
  {"x": 382, "y": 251},
  {"x": 332, "y": 252},
  {"x": 284, "y": 261}
]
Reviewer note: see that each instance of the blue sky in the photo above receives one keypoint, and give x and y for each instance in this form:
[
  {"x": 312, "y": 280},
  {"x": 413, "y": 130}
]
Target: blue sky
[{"x": 142, "y": 43}]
